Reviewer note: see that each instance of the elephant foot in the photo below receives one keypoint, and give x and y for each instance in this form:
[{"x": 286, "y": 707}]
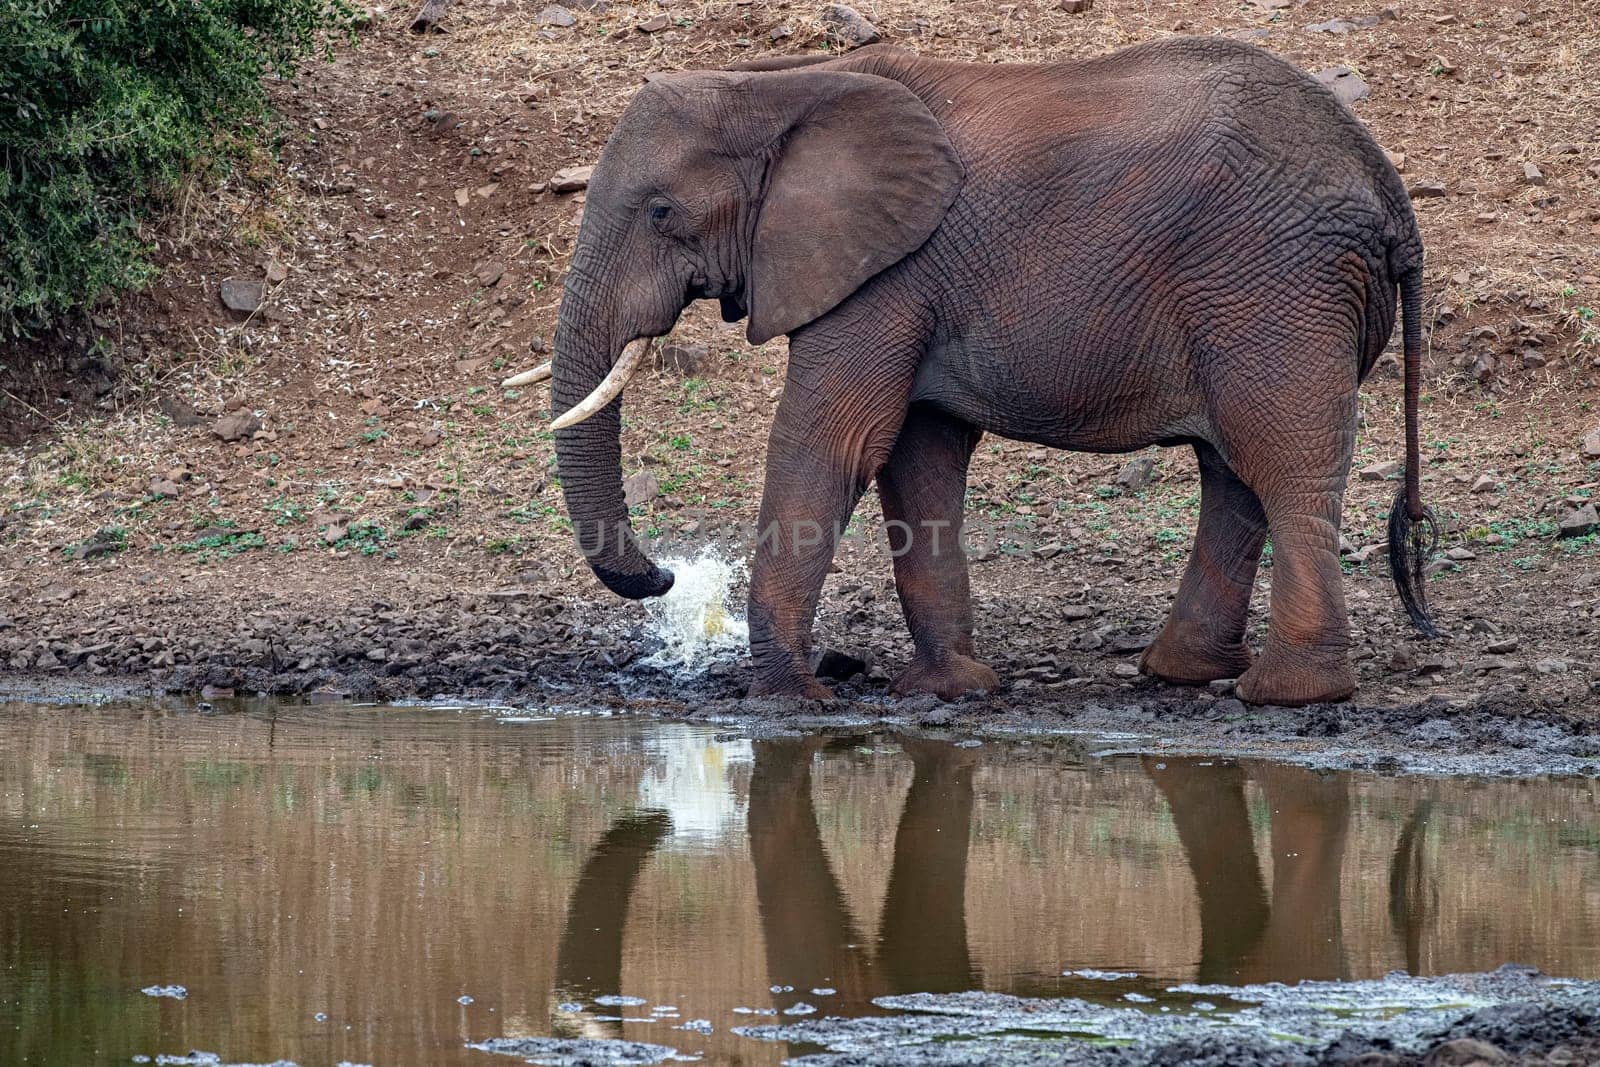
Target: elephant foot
[
  {"x": 1185, "y": 656},
  {"x": 949, "y": 677},
  {"x": 1291, "y": 679}
]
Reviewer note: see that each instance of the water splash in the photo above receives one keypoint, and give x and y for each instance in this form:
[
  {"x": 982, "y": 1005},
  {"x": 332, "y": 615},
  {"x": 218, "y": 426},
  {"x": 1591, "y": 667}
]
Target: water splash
[{"x": 694, "y": 621}]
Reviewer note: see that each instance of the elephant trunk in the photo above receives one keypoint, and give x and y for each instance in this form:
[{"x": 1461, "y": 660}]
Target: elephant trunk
[{"x": 589, "y": 454}]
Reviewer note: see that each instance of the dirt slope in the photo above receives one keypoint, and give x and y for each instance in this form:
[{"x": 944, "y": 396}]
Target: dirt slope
[{"x": 384, "y": 517}]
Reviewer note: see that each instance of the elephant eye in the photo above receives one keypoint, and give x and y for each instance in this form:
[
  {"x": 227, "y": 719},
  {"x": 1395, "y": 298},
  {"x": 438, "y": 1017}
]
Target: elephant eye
[{"x": 659, "y": 213}]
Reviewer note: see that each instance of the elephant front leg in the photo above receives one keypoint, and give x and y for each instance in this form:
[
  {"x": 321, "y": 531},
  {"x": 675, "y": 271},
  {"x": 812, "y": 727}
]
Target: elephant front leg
[
  {"x": 816, "y": 471},
  {"x": 923, "y": 486}
]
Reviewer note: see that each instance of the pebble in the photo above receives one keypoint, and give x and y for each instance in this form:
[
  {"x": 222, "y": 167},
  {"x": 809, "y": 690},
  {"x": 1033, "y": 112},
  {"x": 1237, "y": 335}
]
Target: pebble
[
  {"x": 1345, "y": 84},
  {"x": 1578, "y": 522},
  {"x": 575, "y": 179},
  {"x": 242, "y": 296},
  {"x": 847, "y": 27},
  {"x": 1137, "y": 473},
  {"x": 237, "y": 425},
  {"x": 1378, "y": 472}
]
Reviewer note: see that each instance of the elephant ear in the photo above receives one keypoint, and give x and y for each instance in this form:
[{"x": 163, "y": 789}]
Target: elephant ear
[{"x": 861, "y": 178}]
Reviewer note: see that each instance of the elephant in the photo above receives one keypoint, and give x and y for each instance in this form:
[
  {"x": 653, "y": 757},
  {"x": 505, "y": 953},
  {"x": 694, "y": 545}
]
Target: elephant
[{"x": 1188, "y": 242}]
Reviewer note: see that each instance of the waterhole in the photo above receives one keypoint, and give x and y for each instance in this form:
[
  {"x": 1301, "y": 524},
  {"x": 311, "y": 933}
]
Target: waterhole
[{"x": 423, "y": 885}]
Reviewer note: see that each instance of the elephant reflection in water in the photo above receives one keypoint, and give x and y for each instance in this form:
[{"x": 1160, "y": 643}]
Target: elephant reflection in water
[
  {"x": 811, "y": 937},
  {"x": 1243, "y": 937},
  {"x": 812, "y": 940},
  {"x": 589, "y": 960},
  {"x": 1298, "y": 935}
]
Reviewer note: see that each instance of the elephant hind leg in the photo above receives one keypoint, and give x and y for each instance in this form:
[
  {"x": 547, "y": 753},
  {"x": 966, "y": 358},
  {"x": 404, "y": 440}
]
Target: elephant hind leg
[
  {"x": 1203, "y": 638},
  {"x": 1296, "y": 460},
  {"x": 923, "y": 486}
]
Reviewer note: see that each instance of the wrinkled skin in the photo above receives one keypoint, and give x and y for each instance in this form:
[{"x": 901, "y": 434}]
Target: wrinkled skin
[{"x": 1188, "y": 242}]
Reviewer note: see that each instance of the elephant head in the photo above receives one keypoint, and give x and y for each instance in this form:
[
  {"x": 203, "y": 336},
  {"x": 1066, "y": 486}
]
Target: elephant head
[{"x": 777, "y": 194}]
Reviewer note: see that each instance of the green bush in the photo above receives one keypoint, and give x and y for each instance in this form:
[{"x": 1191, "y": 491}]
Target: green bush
[{"x": 105, "y": 107}]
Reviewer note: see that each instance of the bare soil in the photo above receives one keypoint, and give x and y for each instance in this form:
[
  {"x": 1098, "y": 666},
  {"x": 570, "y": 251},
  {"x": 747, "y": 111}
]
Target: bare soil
[{"x": 386, "y": 522}]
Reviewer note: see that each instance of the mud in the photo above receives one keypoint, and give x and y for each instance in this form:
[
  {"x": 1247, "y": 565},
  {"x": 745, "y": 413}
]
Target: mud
[{"x": 1396, "y": 1020}]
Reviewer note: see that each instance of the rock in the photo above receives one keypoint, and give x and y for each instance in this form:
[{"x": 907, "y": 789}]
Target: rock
[
  {"x": 1078, "y": 612},
  {"x": 1426, "y": 188},
  {"x": 1459, "y": 554},
  {"x": 640, "y": 488},
  {"x": 780, "y": 32},
  {"x": 1137, "y": 473},
  {"x": 1345, "y": 84},
  {"x": 1334, "y": 26},
  {"x": 1378, "y": 472},
  {"x": 1591, "y": 444},
  {"x": 489, "y": 272},
  {"x": 242, "y": 296},
  {"x": 1532, "y": 175},
  {"x": 237, "y": 425},
  {"x": 335, "y": 532},
  {"x": 1223, "y": 687},
  {"x": 1076, "y": 7},
  {"x": 1435, "y": 664},
  {"x": 556, "y": 15},
  {"x": 1049, "y": 550},
  {"x": 846, "y": 26},
  {"x": 182, "y": 413},
  {"x": 1502, "y": 647},
  {"x": 1397, "y": 160},
  {"x": 163, "y": 488},
  {"x": 653, "y": 24},
  {"x": 574, "y": 179},
  {"x": 1551, "y": 666},
  {"x": 687, "y": 360},
  {"x": 105, "y": 541},
  {"x": 276, "y": 272},
  {"x": 58, "y": 593},
  {"x": 1125, "y": 670},
  {"x": 1464, "y": 1052},
  {"x": 1484, "y": 484},
  {"x": 1122, "y": 644},
  {"x": 1578, "y": 521},
  {"x": 838, "y": 666}
]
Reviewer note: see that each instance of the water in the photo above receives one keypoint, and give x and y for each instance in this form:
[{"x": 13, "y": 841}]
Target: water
[
  {"x": 696, "y": 620},
  {"x": 378, "y": 885}
]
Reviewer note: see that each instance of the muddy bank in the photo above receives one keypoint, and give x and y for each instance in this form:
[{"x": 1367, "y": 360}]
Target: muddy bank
[
  {"x": 1064, "y": 638},
  {"x": 1513, "y": 1015}
]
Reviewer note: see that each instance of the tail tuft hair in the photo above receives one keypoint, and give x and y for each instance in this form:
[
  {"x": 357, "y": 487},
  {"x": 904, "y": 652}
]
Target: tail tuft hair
[{"x": 1411, "y": 545}]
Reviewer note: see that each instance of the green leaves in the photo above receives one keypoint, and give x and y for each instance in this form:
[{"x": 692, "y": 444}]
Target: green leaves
[{"x": 105, "y": 106}]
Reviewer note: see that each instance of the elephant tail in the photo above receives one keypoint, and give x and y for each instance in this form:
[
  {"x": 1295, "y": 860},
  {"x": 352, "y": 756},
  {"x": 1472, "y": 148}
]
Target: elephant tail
[{"x": 1413, "y": 529}]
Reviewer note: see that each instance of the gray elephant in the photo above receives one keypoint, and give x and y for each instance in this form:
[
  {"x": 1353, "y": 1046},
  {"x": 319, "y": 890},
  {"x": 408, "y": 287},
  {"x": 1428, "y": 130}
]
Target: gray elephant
[{"x": 1188, "y": 242}]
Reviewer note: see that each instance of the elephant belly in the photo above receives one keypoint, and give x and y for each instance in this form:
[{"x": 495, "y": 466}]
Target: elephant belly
[{"x": 1117, "y": 397}]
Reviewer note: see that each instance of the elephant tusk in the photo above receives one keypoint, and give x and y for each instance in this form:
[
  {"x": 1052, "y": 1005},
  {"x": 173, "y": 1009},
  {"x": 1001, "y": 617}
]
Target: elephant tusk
[
  {"x": 528, "y": 377},
  {"x": 627, "y": 366}
]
